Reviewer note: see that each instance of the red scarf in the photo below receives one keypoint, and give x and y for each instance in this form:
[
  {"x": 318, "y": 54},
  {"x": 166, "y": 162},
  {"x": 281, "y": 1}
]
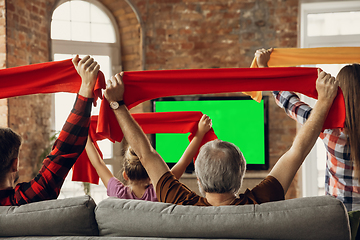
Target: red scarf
[
  {"x": 162, "y": 122},
  {"x": 145, "y": 85},
  {"x": 49, "y": 77}
]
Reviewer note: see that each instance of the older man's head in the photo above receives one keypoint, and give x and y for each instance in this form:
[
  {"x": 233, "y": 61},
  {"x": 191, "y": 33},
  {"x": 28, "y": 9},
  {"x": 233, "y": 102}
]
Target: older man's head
[{"x": 220, "y": 167}]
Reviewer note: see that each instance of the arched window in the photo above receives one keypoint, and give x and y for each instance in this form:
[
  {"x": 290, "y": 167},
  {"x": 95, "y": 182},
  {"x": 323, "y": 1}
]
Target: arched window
[{"x": 84, "y": 28}]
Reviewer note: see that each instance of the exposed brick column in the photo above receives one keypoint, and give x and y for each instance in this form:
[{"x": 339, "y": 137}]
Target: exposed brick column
[
  {"x": 27, "y": 38},
  {"x": 3, "y": 102}
]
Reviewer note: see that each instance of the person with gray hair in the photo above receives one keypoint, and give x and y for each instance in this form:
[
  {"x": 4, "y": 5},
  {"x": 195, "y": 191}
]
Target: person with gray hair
[{"x": 220, "y": 165}]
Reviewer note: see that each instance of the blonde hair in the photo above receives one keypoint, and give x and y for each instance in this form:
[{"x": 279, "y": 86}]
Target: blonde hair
[
  {"x": 349, "y": 78},
  {"x": 133, "y": 167}
]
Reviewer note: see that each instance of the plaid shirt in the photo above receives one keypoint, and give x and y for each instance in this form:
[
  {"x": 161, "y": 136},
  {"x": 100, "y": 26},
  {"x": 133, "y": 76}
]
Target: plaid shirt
[
  {"x": 339, "y": 175},
  {"x": 67, "y": 148}
]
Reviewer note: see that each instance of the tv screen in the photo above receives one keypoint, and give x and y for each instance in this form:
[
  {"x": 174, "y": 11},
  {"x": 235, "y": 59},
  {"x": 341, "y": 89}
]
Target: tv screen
[{"x": 239, "y": 120}]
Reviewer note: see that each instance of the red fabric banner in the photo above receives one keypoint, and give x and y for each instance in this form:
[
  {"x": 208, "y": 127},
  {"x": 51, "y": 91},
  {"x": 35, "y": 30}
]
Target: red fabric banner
[
  {"x": 60, "y": 76},
  {"x": 162, "y": 122},
  {"x": 49, "y": 77},
  {"x": 145, "y": 85}
]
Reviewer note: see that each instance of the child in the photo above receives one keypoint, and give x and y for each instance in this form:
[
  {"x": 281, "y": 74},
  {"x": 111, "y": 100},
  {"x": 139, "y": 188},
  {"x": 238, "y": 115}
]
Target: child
[{"x": 139, "y": 185}]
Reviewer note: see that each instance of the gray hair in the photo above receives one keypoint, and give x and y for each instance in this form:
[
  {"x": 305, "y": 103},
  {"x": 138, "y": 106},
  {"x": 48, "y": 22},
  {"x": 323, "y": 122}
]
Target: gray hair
[{"x": 220, "y": 167}]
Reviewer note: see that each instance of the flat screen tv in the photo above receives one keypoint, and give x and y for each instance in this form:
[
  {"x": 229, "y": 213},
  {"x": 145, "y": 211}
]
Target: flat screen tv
[{"x": 239, "y": 120}]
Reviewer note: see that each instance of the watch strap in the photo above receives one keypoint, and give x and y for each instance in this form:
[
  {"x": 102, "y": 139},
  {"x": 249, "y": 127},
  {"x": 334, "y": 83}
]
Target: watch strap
[{"x": 121, "y": 102}]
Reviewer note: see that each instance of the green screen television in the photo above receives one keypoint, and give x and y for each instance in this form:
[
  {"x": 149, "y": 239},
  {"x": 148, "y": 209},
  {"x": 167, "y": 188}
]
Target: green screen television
[{"x": 239, "y": 120}]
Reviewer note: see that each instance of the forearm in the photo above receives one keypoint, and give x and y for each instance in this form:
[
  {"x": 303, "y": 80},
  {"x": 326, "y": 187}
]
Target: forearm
[
  {"x": 292, "y": 105},
  {"x": 179, "y": 168},
  {"x": 150, "y": 159},
  {"x": 73, "y": 136},
  {"x": 86, "y": 91},
  {"x": 287, "y": 166},
  {"x": 67, "y": 148},
  {"x": 133, "y": 132},
  {"x": 98, "y": 163},
  {"x": 310, "y": 131}
]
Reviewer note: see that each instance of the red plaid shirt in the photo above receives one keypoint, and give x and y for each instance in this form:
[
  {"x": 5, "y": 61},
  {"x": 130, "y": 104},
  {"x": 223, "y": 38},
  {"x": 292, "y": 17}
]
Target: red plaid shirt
[
  {"x": 67, "y": 148},
  {"x": 340, "y": 181}
]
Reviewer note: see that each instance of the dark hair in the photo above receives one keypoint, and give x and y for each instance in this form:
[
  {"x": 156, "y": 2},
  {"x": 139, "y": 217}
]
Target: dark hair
[
  {"x": 133, "y": 167},
  {"x": 9, "y": 149},
  {"x": 349, "y": 78}
]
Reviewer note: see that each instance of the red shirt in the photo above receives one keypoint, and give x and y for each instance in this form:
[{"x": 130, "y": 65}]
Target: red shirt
[{"x": 67, "y": 148}]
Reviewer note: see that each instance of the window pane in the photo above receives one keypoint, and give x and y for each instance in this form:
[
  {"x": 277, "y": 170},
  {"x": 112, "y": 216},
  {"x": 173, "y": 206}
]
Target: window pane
[
  {"x": 63, "y": 105},
  {"x": 62, "y": 12},
  {"x": 80, "y": 11},
  {"x": 60, "y": 30},
  {"x": 330, "y": 24},
  {"x": 60, "y": 56},
  {"x": 98, "y": 16},
  {"x": 81, "y": 21},
  {"x": 106, "y": 148},
  {"x": 102, "y": 33},
  {"x": 80, "y": 31}
]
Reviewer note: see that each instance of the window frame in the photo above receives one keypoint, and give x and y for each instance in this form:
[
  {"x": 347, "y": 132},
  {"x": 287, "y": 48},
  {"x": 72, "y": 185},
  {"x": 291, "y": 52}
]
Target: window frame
[{"x": 112, "y": 50}]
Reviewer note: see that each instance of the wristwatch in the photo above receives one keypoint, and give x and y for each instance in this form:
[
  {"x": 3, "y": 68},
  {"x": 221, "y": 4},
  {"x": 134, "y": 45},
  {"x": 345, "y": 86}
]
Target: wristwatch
[{"x": 116, "y": 105}]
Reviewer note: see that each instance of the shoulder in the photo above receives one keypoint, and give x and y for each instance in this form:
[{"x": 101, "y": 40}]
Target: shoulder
[
  {"x": 170, "y": 190},
  {"x": 267, "y": 190},
  {"x": 150, "y": 194},
  {"x": 116, "y": 188},
  {"x": 115, "y": 182}
]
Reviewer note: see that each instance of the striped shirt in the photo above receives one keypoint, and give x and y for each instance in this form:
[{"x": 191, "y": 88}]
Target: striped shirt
[
  {"x": 340, "y": 181},
  {"x": 67, "y": 148}
]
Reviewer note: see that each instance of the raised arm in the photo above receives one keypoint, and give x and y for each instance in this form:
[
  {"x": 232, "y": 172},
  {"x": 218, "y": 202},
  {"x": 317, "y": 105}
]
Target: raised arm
[
  {"x": 289, "y": 101},
  {"x": 68, "y": 146},
  {"x": 150, "y": 159},
  {"x": 98, "y": 163},
  {"x": 204, "y": 126},
  {"x": 287, "y": 166}
]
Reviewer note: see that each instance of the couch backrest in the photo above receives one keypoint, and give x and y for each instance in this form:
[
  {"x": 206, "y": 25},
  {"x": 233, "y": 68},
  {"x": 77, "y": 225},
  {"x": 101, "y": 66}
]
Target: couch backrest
[
  {"x": 62, "y": 217},
  {"x": 317, "y": 218}
]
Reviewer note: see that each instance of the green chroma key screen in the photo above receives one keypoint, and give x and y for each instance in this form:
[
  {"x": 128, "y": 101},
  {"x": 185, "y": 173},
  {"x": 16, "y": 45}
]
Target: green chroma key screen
[{"x": 239, "y": 120}]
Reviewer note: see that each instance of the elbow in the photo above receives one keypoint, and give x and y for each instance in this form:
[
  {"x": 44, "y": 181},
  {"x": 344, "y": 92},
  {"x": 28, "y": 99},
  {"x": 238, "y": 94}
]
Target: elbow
[{"x": 146, "y": 154}]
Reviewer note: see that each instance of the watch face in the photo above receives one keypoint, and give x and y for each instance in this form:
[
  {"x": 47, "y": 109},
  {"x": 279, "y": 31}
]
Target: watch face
[{"x": 114, "y": 105}]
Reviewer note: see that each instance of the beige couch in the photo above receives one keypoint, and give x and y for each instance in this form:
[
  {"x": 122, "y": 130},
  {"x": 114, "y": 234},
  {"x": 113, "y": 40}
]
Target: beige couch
[{"x": 79, "y": 218}]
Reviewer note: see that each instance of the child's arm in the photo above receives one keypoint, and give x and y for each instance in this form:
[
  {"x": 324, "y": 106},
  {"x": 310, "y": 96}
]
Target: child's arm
[
  {"x": 98, "y": 163},
  {"x": 204, "y": 126}
]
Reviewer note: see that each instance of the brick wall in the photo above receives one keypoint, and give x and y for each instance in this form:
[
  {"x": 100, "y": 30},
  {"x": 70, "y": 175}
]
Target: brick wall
[
  {"x": 27, "y": 42},
  {"x": 130, "y": 33}
]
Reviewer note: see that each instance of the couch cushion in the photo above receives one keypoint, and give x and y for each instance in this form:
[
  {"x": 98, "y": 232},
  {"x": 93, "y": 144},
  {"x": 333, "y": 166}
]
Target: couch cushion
[
  {"x": 317, "y": 218},
  {"x": 61, "y": 217}
]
